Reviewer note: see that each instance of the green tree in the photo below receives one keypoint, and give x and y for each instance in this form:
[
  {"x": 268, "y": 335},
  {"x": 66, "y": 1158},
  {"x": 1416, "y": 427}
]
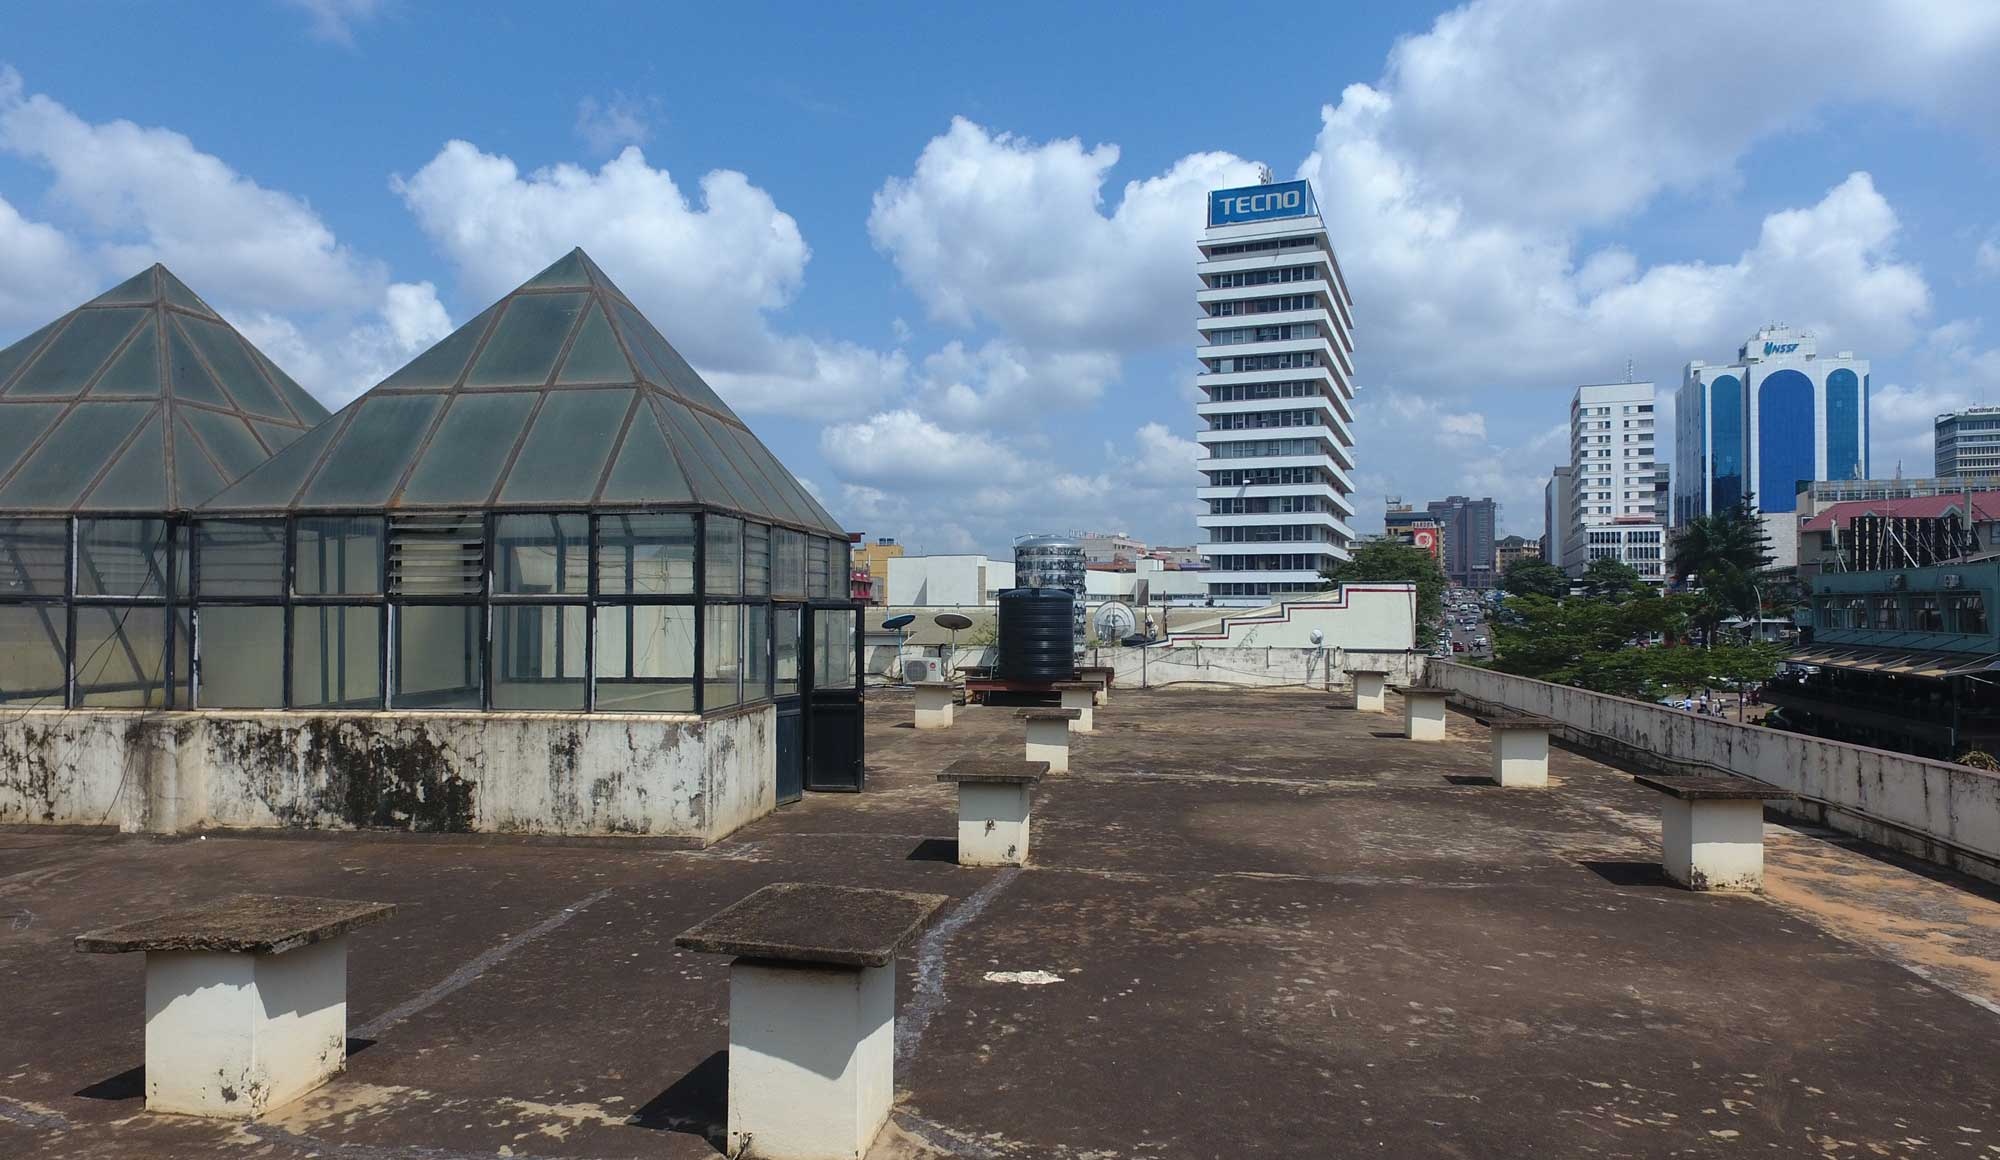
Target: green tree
[
  {"x": 1723, "y": 553},
  {"x": 1388, "y": 561},
  {"x": 1609, "y": 578},
  {"x": 1533, "y": 576},
  {"x": 1606, "y": 646}
]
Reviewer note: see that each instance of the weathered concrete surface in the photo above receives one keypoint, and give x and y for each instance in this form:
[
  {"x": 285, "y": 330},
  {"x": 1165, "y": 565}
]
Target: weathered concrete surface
[
  {"x": 1939, "y": 811},
  {"x": 1253, "y": 928},
  {"x": 1161, "y": 667},
  {"x": 527, "y": 773}
]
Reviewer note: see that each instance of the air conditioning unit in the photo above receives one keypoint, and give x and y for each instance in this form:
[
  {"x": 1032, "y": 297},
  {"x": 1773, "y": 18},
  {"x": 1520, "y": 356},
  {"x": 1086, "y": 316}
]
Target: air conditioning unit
[{"x": 916, "y": 669}]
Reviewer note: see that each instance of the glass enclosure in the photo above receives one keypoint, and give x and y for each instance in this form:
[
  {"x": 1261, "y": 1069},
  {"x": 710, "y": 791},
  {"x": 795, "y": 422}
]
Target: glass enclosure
[{"x": 561, "y": 611}]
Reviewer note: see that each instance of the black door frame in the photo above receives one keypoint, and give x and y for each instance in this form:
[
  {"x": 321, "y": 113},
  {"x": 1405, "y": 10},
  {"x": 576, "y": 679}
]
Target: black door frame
[{"x": 835, "y": 746}]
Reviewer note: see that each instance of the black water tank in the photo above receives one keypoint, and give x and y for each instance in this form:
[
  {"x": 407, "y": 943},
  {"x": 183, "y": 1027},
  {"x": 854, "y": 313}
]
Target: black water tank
[{"x": 1037, "y": 640}]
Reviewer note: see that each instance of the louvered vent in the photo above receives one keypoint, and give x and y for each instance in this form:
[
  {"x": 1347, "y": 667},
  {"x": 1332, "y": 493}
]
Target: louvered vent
[{"x": 436, "y": 554}]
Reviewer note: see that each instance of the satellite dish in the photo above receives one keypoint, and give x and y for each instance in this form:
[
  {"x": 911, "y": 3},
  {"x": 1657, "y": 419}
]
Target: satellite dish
[
  {"x": 900, "y": 620},
  {"x": 951, "y": 620},
  {"x": 1115, "y": 621},
  {"x": 1317, "y": 636}
]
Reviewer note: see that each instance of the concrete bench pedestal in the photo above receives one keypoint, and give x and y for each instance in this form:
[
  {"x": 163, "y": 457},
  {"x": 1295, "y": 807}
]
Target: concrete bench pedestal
[
  {"x": 1048, "y": 736},
  {"x": 1081, "y": 696},
  {"x": 1423, "y": 711},
  {"x": 1712, "y": 830},
  {"x": 1520, "y": 749},
  {"x": 936, "y": 701},
  {"x": 246, "y": 999},
  {"x": 1101, "y": 676},
  {"x": 1370, "y": 688},
  {"x": 993, "y": 808},
  {"x": 812, "y": 1014}
]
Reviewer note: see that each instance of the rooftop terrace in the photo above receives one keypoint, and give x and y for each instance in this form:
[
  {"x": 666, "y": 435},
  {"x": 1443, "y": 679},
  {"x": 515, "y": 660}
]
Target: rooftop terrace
[{"x": 1253, "y": 925}]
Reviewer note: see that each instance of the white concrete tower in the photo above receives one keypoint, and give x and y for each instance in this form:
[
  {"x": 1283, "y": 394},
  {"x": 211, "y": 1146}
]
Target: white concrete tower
[
  {"x": 1277, "y": 373},
  {"x": 1613, "y": 509}
]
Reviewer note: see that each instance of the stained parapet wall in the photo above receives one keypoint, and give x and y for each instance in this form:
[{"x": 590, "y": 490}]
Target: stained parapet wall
[{"x": 521, "y": 773}]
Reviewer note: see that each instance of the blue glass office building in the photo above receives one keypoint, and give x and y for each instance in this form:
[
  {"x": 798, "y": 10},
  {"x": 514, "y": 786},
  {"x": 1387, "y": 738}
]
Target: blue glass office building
[{"x": 1781, "y": 414}]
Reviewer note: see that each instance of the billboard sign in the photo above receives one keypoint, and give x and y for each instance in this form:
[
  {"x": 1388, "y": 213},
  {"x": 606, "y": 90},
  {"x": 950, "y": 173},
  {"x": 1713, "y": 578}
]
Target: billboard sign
[{"x": 1257, "y": 203}]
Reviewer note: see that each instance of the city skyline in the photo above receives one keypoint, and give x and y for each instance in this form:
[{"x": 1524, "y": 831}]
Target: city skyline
[{"x": 979, "y": 274}]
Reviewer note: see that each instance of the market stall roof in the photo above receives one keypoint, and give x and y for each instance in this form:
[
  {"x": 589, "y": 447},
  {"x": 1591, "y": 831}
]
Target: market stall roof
[
  {"x": 561, "y": 394},
  {"x": 142, "y": 399},
  {"x": 1932, "y": 664}
]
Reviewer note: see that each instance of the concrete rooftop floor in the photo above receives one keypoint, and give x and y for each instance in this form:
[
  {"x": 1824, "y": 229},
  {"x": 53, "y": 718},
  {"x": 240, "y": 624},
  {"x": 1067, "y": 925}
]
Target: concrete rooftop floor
[{"x": 1279, "y": 929}]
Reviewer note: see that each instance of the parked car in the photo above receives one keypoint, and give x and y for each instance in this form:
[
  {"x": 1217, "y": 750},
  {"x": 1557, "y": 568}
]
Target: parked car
[{"x": 1458, "y": 646}]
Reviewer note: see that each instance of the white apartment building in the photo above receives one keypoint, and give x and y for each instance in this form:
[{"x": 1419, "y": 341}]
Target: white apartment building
[
  {"x": 1613, "y": 509},
  {"x": 1277, "y": 373}
]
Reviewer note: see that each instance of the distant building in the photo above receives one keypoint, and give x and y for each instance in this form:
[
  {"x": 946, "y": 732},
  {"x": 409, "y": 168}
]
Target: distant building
[
  {"x": 1468, "y": 529},
  {"x": 873, "y": 559},
  {"x": 1967, "y": 441},
  {"x": 1110, "y": 547},
  {"x": 1827, "y": 542},
  {"x": 1816, "y": 496},
  {"x": 1779, "y": 415},
  {"x": 1612, "y": 476},
  {"x": 1277, "y": 412},
  {"x": 1557, "y": 499},
  {"x": 947, "y": 581},
  {"x": 1513, "y": 548},
  {"x": 1404, "y": 524}
]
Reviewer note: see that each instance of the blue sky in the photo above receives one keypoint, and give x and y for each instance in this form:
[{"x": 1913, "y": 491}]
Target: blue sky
[{"x": 941, "y": 256}]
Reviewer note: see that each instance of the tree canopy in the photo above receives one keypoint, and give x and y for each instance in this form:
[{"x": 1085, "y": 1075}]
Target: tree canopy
[
  {"x": 1601, "y": 645},
  {"x": 1722, "y": 553},
  {"x": 1534, "y": 576},
  {"x": 1609, "y": 578},
  {"x": 1388, "y": 561}
]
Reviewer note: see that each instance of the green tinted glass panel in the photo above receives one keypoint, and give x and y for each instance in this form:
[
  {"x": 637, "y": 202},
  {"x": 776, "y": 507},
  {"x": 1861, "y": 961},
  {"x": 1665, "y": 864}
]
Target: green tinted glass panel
[
  {"x": 31, "y": 655},
  {"x": 684, "y": 379},
  {"x": 276, "y": 437},
  {"x": 595, "y": 357},
  {"x": 471, "y": 447},
  {"x": 195, "y": 477},
  {"x": 729, "y": 438},
  {"x": 338, "y": 555},
  {"x": 441, "y": 365},
  {"x": 34, "y": 557},
  {"x": 12, "y": 357},
  {"x": 191, "y": 380},
  {"x": 542, "y": 553},
  {"x": 651, "y": 554},
  {"x": 677, "y": 423},
  {"x": 242, "y": 658},
  {"x": 336, "y": 657},
  {"x": 306, "y": 408},
  {"x": 139, "y": 478},
  {"x": 646, "y": 471},
  {"x": 567, "y": 271},
  {"x": 736, "y": 491},
  {"x": 75, "y": 451},
  {"x": 77, "y": 353},
  {"x": 572, "y": 437},
  {"x": 241, "y": 558},
  {"x": 117, "y": 557},
  {"x": 374, "y": 450},
  {"x": 231, "y": 360},
  {"x": 121, "y": 656},
  {"x": 789, "y": 488},
  {"x": 177, "y": 293},
  {"x": 538, "y": 656},
  {"x": 229, "y": 440},
  {"x": 138, "y": 288},
  {"x": 437, "y": 656},
  {"x": 137, "y": 371},
  {"x": 277, "y": 482},
  {"x": 524, "y": 346},
  {"x": 645, "y": 658},
  {"x": 20, "y": 425}
]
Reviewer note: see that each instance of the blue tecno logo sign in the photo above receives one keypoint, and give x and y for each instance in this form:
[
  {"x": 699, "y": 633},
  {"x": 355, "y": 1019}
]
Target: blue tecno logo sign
[
  {"x": 1771, "y": 348},
  {"x": 1256, "y": 203}
]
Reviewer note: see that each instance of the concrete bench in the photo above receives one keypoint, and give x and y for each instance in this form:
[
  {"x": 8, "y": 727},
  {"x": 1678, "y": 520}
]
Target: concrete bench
[
  {"x": 1520, "y": 748},
  {"x": 1423, "y": 711},
  {"x": 935, "y": 703},
  {"x": 246, "y": 999},
  {"x": 1712, "y": 830},
  {"x": 1081, "y": 696},
  {"x": 812, "y": 1014},
  {"x": 993, "y": 808},
  {"x": 1103, "y": 675},
  {"x": 1369, "y": 685},
  {"x": 1048, "y": 736}
]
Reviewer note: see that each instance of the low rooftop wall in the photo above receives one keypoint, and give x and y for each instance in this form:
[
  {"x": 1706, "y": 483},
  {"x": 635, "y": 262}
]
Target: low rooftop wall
[
  {"x": 1319, "y": 668},
  {"x": 1945, "y": 813},
  {"x": 521, "y": 773}
]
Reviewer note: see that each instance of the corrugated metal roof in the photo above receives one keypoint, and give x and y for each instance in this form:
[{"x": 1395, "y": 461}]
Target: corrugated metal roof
[
  {"x": 560, "y": 394},
  {"x": 1985, "y": 505},
  {"x": 142, "y": 399}
]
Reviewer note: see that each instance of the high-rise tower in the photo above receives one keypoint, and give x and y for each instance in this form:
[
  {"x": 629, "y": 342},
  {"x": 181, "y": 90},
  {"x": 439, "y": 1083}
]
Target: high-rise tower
[{"x": 1277, "y": 375}]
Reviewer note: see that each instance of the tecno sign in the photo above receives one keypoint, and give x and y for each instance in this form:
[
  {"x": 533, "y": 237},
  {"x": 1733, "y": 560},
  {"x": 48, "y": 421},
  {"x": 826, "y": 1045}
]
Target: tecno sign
[
  {"x": 1771, "y": 348},
  {"x": 1256, "y": 203}
]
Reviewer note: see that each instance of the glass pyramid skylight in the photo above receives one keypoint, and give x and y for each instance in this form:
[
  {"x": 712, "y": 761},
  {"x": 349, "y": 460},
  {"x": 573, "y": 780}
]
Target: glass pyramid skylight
[
  {"x": 141, "y": 400},
  {"x": 559, "y": 395}
]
